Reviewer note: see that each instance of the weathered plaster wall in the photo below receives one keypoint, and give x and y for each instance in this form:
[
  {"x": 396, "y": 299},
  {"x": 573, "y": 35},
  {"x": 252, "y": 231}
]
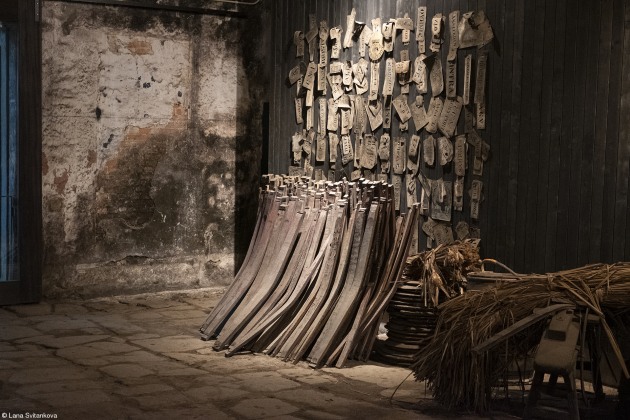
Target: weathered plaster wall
[{"x": 151, "y": 148}]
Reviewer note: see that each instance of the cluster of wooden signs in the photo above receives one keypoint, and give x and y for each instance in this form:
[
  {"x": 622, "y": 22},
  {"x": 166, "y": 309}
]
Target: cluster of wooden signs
[
  {"x": 321, "y": 268},
  {"x": 358, "y": 116}
]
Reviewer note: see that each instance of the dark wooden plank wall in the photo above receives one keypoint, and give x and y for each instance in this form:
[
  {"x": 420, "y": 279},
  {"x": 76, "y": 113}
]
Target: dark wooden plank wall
[{"x": 558, "y": 121}]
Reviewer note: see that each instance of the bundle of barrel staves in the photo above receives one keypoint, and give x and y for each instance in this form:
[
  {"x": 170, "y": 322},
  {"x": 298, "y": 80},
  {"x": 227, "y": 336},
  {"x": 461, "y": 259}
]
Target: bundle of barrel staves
[
  {"x": 429, "y": 278},
  {"x": 322, "y": 265}
]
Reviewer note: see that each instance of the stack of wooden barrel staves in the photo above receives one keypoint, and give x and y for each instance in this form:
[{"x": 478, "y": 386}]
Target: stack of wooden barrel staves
[{"x": 323, "y": 263}]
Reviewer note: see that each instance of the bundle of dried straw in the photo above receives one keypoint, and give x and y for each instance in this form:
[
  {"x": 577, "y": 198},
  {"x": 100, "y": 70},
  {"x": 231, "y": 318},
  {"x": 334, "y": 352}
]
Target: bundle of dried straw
[{"x": 459, "y": 378}]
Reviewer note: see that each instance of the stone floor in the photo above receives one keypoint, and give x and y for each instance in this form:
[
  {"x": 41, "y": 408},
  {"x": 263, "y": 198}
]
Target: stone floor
[{"x": 140, "y": 357}]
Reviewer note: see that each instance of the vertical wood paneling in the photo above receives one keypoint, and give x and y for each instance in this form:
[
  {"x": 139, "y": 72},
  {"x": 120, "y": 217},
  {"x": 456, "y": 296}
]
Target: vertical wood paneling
[
  {"x": 556, "y": 186},
  {"x": 622, "y": 216},
  {"x": 601, "y": 110},
  {"x": 612, "y": 132}
]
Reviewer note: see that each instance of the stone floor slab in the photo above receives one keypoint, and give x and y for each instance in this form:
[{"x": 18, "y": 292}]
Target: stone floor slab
[
  {"x": 58, "y": 386},
  {"x": 126, "y": 370},
  {"x": 31, "y": 310},
  {"x": 139, "y": 356},
  {"x": 72, "y": 398},
  {"x": 81, "y": 352},
  {"x": 52, "y": 374},
  {"x": 11, "y": 332},
  {"x": 64, "y": 324},
  {"x": 51, "y": 341},
  {"x": 260, "y": 408},
  {"x": 145, "y": 389},
  {"x": 267, "y": 381},
  {"x": 171, "y": 344},
  {"x": 213, "y": 393}
]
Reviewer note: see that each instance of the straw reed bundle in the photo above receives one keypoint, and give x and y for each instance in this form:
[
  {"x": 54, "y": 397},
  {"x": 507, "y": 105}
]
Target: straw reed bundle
[{"x": 460, "y": 378}]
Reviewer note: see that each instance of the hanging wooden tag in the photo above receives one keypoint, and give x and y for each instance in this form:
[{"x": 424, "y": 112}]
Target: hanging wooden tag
[
  {"x": 400, "y": 156},
  {"x": 437, "y": 77},
  {"x": 469, "y": 120},
  {"x": 433, "y": 114},
  {"x": 359, "y": 115},
  {"x": 428, "y": 227},
  {"x": 296, "y": 170},
  {"x": 363, "y": 39},
  {"x": 298, "y": 40},
  {"x": 309, "y": 117},
  {"x": 436, "y": 32},
  {"x": 388, "y": 83},
  {"x": 474, "y": 30},
  {"x": 445, "y": 148},
  {"x": 467, "y": 73},
  {"x": 321, "y": 80},
  {"x": 441, "y": 200},
  {"x": 402, "y": 108},
  {"x": 358, "y": 152},
  {"x": 387, "y": 112},
  {"x": 414, "y": 143},
  {"x": 402, "y": 72},
  {"x": 462, "y": 230},
  {"x": 485, "y": 150},
  {"x": 449, "y": 116},
  {"x": 376, "y": 47},
  {"x": 295, "y": 74},
  {"x": 309, "y": 98},
  {"x": 383, "y": 147},
  {"x": 458, "y": 193},
  {"x": 323, "y": 44},
  {"x": 298, "y": 111},
  {"x": 374, "y": 75},
  {"x": 475, "y": 198},
  {"x": 375, "y": 115},
  {"x": 425, "y": 202},
  {"x": 388, "y": 39},
  {"x": 347, "y": 73},
  {"x": 397, "y": 182},
  {"x": 347, "y": 152},
  {"x": 480, "y": 81},
  {"x": 443, "y": 234},
  {"x": 345, "y": 121},
  {"x": 406, "y": 25},
  {"x": 412, "y": 197},
  {"x": 383, "y": 177},
  {"x": 460, "y": 155},
  {"x": 453, "y": 22},
  {"x": 428, "y": 150},
  {"x": 420, "y": 74},
  {"x": 359, "y": 70},
  {"x": 368, "y": 158},
  {"x": 333, "y": 115},
  {"x": 412, "y": 165},
  {"x": 421, "y": 22},
  {"x": 418, "y": 114},
  {"x": 335, "y": 36},
  {"x": 337, "y": 91},
  {"x": 331, "y": 175},
  {"x": 333, "y": 143},
  {"x": 320, "y": 154},
  {"x": 451, "y": 79},
  {"x": 414, "y": 247},
  {"x": 347, "y": 40},
  {"x": 321, "y": 129},
  {"x": 296, "y": 147},
  {"x": 481, "y": 115}
]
